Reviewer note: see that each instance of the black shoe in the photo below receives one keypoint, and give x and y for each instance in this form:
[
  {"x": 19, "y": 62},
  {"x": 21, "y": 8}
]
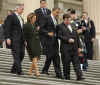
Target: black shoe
[
  {"x": 13, "y": 72},
  {"x": 45, "y": 73},
  {"x": 67, "y": 78},
  {"x": 85, "y": 70},
  {"x": 59, "y": 77},
  {"x": 80, "y": 79},
  {"x": 20, "y": 73}
]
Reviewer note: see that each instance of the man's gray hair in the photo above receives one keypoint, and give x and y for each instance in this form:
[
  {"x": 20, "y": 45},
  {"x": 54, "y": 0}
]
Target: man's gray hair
[{"x": 19, "y": 6}]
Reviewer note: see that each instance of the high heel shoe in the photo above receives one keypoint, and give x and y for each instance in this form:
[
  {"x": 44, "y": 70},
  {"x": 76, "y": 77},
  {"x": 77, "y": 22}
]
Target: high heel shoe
[
  {"x": 37, "y": 74},
  {"x": 30, "y": 73}
]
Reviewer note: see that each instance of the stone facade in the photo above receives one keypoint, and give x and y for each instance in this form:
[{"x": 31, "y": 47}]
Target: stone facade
[
  {"x": 93, "y": 7},
  {"x": 6, "y": 5}
]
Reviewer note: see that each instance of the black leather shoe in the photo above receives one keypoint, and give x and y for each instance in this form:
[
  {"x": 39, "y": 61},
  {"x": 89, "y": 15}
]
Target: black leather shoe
[
  {"x": 13, "y": 72},
  {"x": 20, "y": 73},
  {"x": 45, "y": 73},
  {"x": 80, "y": 79},
  {"x": 85, "y": 70},
  {"x": 67, "y": 78},
  {"x": 59, "y": 77}
]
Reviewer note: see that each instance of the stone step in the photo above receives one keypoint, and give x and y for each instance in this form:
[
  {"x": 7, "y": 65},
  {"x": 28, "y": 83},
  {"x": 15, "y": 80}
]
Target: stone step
[
  {"x": 33, "y": 80},
  {"x": 11, "y": 83},
  {"x": 50, "y": 76},
  {"x": 27, "y": 66},
  {"x": 4, "y": 57},
  {"x": 41, "y": 77},
  {"x": 92, "y": 75},
  {"x": 62, "y": 82},
  {"x": 10, "y": 56},
  {"x": 40, "y": 64},
  {"x": 53, "y": 73}
]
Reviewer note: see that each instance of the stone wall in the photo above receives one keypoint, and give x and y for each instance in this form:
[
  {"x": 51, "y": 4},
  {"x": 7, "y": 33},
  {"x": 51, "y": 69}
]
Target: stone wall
[
  {"x": 93, "y": 7},
  {"x": 6, "y": 5}
]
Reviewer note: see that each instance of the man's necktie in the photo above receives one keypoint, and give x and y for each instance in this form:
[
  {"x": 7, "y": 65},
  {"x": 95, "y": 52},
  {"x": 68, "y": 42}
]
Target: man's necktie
[
  {"x": 55, "y": 22},
  {"x": 44, "y": 11},
  {"x": 70, "y": 28},
  {"x": 21, "y": 21}
]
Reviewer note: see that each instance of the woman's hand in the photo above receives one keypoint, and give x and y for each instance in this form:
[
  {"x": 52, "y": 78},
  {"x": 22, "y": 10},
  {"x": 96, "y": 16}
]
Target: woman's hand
[
  {"x": 9, "y": 42},
  {"x": 38, "y": 28}
]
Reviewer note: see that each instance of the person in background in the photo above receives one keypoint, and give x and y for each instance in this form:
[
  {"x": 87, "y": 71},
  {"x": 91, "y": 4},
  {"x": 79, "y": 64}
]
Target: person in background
[
  {"x": 15, "y": 38},
  {"x": 41, "y": 13},
  {"x": 10, "y": 12},
  {"x": 5, "y": 45},
  {"x": 69, "y": 48},
  {"x": 1, "y": 33},
  {"x": 31, "y": 34},
  {"x": 83, "y": 54},
  {"x": 76, "y": 25},
  {"x": 75, "y": 21},
  {"x": 69, "y": 11},
  {"x": 89, "y": 34}
]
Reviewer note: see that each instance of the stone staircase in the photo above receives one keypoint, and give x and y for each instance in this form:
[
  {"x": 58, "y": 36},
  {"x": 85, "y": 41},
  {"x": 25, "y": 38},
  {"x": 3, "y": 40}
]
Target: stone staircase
[{"x": 92, "y": 76}]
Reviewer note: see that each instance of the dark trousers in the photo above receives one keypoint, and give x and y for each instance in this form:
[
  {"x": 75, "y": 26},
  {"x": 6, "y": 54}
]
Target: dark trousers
[
  {"x": 67, "y": 58},
  {"x": 18, "y": 51},
  {"x": 43, "y": 45},
  {"x": 52, "y": 55},
  {"x": 89, "y": 48},
  {"x": 56, "y": 62}
]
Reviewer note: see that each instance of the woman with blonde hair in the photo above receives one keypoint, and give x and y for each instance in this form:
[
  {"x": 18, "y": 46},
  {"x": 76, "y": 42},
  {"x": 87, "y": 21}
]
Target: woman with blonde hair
[{"x": 31, "y": 33}]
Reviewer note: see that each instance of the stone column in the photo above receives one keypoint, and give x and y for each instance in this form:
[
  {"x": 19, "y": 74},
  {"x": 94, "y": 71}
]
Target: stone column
[
  {"x": 50, "y": 4},
  {"x": 6, "y": 5},
  {"x": 93, "y": 7},
  {"x": 30, "y": 6}
]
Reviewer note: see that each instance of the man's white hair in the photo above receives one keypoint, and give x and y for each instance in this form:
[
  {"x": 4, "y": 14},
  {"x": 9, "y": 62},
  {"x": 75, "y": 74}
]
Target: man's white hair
[{"x": 19, "y": 6}]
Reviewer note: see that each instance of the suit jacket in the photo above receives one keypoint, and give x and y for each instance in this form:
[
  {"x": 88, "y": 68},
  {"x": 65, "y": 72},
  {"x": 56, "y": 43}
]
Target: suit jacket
[
  {"x": 1, "y": 32},
  {"x": 13, "y": 29},
  {"x": 40, "y": 15},
  {"x": 48, "y": 26},
  {"x": 89, "y": 33},
  {"x": 30, "y": 32},
  {"x": 51, "y": 43},
  {"x": 64, "y": 34}
]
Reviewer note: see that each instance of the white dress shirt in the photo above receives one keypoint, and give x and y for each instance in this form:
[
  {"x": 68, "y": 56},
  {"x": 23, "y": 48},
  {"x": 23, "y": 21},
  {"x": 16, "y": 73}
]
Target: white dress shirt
[
  {"x": 70, "y": 28},
  {"x": 86, "y": 21},
  {"x": 20, "y": 19},
  {"x": 54, "y": 20}
]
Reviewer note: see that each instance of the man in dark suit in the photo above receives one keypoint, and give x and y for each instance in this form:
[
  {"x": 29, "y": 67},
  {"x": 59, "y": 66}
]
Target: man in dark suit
[
  {"x": 41, "y": 13},
  {"x": 10, "y": 12},
  {"x": 48, "y": 30},
  {"x": 89, "y": 34},
  {"x": 15, "y": 38},
  {"x": 70, "y": 47}
]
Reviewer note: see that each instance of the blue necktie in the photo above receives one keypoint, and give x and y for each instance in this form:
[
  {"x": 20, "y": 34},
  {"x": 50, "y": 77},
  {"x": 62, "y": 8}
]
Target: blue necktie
[{"x": 44, "y": 11}]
